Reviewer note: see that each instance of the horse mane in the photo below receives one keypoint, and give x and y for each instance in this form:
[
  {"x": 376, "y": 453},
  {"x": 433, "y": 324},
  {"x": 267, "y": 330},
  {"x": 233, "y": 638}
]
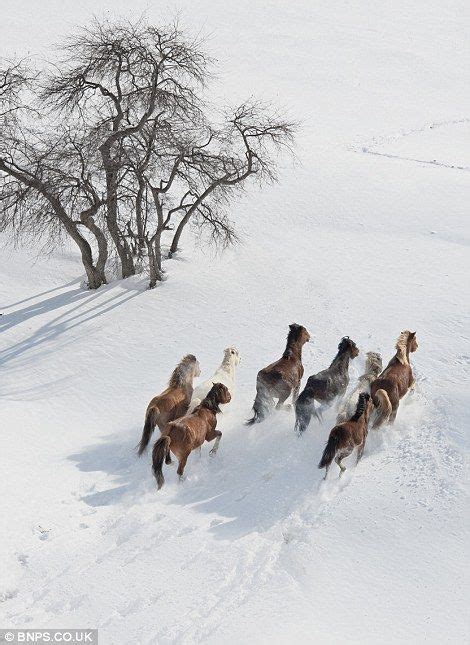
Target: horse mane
[
  {"x": 401, "y": 347},
  {"x": 211, "y": 400},
  {"x": 179, "y": 375},
  {"x": 361, "y": 406},
  {"x": 293, "y": 336}
]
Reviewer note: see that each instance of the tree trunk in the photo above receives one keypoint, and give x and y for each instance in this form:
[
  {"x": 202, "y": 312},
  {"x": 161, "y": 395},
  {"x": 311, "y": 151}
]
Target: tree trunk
[
  {"x": 95, "y": 274},
  {"x": 139, "y": 217},
  {"x": 122, "y": 248},
  {"x": 179, "y": 229},
  {"x": 155, "y": 274},
  {"x": 102, "y": 243}
]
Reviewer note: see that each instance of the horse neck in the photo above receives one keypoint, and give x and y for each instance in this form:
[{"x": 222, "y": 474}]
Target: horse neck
[
  {"x": 341, "y": 361},
  {"x": 295, "y": 349},
  {"x": 228, "y": 366}
]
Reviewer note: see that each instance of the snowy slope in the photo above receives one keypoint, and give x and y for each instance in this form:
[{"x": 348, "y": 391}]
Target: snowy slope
[{"x": 254, "y": 546}]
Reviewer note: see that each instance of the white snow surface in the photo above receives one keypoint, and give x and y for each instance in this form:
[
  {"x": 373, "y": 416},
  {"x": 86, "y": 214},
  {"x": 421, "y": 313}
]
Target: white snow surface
[{"x": 366, "y": 234}]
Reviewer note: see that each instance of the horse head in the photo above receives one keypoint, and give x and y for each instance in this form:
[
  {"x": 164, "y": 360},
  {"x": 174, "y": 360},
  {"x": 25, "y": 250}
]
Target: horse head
[
  {"x": 218, "y": 394},
  {"x": 232, "y": 356},
  {"x": 298, "y": 333},
  {"x": 413, "y": 343},
  {"x": 348, "y": 345},
  {"x": 373, "y": 363}
]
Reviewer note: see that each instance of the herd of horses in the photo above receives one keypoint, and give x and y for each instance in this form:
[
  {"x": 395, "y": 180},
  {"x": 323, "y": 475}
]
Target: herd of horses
[{"x": 187, "y": 416}]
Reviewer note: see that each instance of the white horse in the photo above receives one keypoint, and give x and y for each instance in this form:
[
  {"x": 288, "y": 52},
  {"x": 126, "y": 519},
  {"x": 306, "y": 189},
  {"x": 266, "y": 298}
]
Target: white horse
[
  {"x": 225, "y": 374},
  {"x": 347, "y": 406}
]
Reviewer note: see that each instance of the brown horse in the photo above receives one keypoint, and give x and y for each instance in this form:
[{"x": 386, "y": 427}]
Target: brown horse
[
  {"x": 395, "y": 381},
  {"x": 282, "y": 378},
  {"x": 348, "y": 435},
  {"x": 184, "y": 435},
  {"x": 173, "y": 402}
]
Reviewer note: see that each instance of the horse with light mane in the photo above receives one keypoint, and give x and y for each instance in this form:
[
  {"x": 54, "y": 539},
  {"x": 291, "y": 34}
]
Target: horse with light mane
[
  {"x": 184, "y": 435},
  {"x": 173, "y": 402},
  {"x": 372, "y": 369},
  {"x": 225, "y": 374},
  {"x": 395, "y": 381},
  {"x": 348, "y": 435},
  {"x": 325, "y": 386},
  {"x": 282, "y": 378}
]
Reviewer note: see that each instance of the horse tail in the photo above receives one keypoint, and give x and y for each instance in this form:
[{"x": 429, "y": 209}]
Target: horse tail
[
  {"x": 330, "y": 450},
  {"x": 261, "y": 403},
  {"x": 260, "y": 407},
  {"x": 149, "y": 426},
  {"x": 384, "y": 407},
  {"x": 160, "y": 452}
]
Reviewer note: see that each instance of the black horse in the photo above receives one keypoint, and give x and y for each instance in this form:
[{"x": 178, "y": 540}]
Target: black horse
[{"x": 326, "y": 385}]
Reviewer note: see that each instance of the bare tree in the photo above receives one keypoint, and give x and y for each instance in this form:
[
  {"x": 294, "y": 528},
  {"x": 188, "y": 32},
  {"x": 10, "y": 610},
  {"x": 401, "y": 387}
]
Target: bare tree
[
  {"x": 45, "y": 184},
  {"x": 119, "y": 79},
  {"x": 125, "y": 150}
]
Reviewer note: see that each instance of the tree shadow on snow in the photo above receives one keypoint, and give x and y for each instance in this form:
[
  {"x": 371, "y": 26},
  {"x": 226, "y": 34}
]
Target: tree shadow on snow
[{"x": 79, "y": 306}]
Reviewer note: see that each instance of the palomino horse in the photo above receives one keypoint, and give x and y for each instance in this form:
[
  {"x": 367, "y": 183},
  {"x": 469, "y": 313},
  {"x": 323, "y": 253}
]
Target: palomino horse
[
  {"x": 395, "y": 380},
  {"x": 372, "y": 370},
  {"x": 184, "y": 435},
  {"x": 326, "y": 385},
  {"x": 225, "y": 374},
  {"x": 173, "y": 402},
  {"x": 280, "y": 379},
  {"x": 348, "y": 435}
]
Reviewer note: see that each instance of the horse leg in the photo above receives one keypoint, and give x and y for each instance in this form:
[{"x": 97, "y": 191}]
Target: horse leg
[
  {"x": 295, "y": 394},
  {"x": 339, "y": 458},
  {"x": 395, "y": 401},
  {"x": 181, "y": 465},
  {"x": 213, "y": 451},
  {"x": 280, "y": 403},
  {"x": 304, "y": 408},
  {"x": 393, "y": 414},
  {"x": 360, "y": 450},
  {"x": 262, "y": 405}
]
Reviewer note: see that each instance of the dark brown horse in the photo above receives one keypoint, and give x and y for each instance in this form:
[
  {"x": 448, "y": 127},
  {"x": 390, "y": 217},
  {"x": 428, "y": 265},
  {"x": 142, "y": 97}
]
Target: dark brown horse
[
  {"x": 172, "y": 402},
  {"x": 282, "y": 378},
  {"x": 325, "y": 386},
  {"x": 395, "y": 381},
  {"x": 348, "y": 435},
  {"x": 184, "y": 435}
]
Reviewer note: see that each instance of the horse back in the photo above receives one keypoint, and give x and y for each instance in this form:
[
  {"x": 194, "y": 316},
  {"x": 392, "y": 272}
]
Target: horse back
[
  {"x": 396, "y": 378},
  {"x": 170, "y": 405},
  {"x": 286, "y": 369}
]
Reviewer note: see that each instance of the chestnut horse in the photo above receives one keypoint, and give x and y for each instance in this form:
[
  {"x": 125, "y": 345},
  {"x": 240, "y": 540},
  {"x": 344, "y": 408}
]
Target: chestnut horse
[
  {"x": 282, "y": 378},
  {"x": 395, "y": 381},
  {"x": 348, "y": 435},
  {"x": 325, "y": 386},
  {"x": 172, "y": 402},
  {"x": 184, "y": 435}
]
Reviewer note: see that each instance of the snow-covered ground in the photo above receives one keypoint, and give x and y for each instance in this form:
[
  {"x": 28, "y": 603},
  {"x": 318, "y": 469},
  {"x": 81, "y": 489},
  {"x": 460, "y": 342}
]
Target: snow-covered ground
[{"x": 366, "y": 234}]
